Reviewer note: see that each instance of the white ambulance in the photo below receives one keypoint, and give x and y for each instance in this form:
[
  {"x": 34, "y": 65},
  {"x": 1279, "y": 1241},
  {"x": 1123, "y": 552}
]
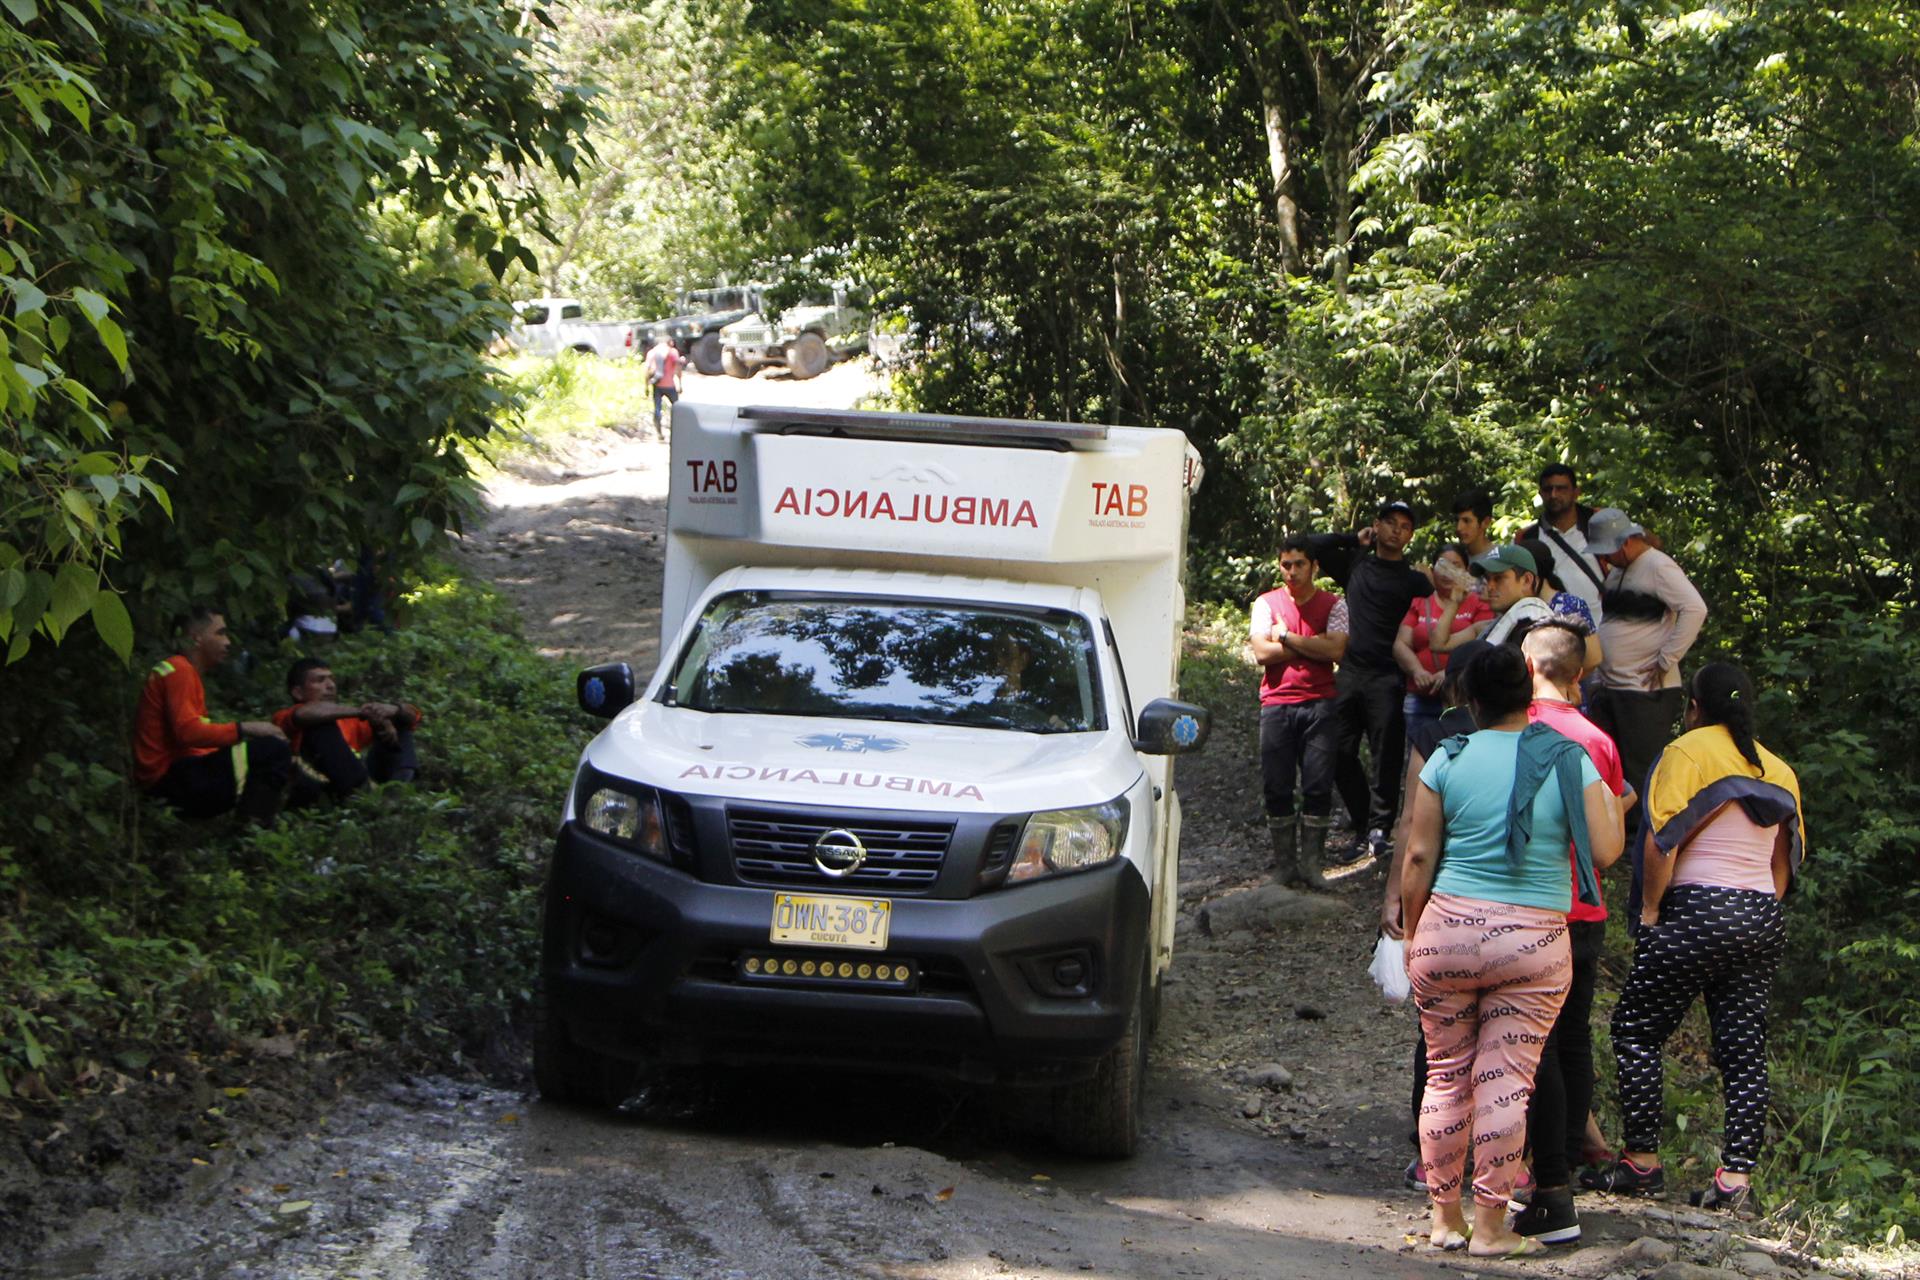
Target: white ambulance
[{"x": 898, "y": 795}]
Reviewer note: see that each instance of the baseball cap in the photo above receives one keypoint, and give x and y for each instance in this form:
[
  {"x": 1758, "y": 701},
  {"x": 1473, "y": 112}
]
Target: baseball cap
[
  {"x": 1608, "y": 530},
  {"x": 1395, "y": 508},
  {"x": 1501, "y": 559}
]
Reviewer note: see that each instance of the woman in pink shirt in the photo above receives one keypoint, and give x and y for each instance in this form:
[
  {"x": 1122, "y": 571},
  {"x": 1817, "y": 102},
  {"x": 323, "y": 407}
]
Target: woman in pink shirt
[{"x": 1413, "y": 647}]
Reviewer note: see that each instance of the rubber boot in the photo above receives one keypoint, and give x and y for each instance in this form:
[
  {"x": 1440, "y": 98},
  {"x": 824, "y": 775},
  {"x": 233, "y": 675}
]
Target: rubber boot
[
  {"x": 1285, "y": 833},
  {"x": 1313, "y": 851}
]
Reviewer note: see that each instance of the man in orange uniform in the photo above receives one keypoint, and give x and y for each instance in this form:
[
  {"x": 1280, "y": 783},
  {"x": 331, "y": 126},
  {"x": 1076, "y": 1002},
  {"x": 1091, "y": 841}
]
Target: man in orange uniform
[
  {"x": 180, "y": 755},
  {"x": 332, "y": 736}
]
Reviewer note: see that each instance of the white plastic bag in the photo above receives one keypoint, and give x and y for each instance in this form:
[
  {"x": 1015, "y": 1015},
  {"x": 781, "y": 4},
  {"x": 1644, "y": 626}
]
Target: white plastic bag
[{"x": 1389, "y": 969}]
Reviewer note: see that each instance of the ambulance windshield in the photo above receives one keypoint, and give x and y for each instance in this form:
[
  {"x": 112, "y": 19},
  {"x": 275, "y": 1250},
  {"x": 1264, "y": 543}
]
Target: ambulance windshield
[{"x": 929, "y": 662}]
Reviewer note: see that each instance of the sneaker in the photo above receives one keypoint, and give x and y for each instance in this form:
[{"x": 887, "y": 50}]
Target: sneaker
[
  {"x": 1624, "y": 1177},
  {"x": 1550, "y": 1218},
  {"x": 1416, "y": 1175},
  {"x": 1718, "y": 1195},
  {"x": 1378, "y": 846}
]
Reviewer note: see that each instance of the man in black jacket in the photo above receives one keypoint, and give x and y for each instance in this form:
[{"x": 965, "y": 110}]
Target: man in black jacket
[{"x": 1370, "y": 688}]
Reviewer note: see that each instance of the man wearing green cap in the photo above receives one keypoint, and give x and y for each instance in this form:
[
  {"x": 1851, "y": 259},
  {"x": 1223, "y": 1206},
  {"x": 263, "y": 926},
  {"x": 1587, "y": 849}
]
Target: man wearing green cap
[{"x": 1512, "y": 591}]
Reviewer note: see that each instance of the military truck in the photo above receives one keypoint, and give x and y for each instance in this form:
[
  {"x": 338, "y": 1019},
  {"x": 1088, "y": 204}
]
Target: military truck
[
  {"x": 695, "y": 332},
  {"x": 804, "y": 339}
]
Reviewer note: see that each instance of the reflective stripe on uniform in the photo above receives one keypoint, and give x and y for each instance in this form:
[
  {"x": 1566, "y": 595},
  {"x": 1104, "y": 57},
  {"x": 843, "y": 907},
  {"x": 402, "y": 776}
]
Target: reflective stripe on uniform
[{"x": 240, "y": 766}]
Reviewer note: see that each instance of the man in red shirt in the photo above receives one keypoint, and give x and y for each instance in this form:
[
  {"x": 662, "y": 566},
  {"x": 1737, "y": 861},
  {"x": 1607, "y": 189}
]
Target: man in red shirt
[
  {"x": 332, "y": 736},
  {"x": 1298, "y": 632},
  {"x": 200, "y": 767},
  {"x": 664, "y": 366},
  {"x": 1563, "y": 1083}
]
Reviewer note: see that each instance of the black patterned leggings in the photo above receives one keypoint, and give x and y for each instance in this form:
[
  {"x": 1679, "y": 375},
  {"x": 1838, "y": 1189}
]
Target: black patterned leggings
[{"x": 1725, "y": 943}]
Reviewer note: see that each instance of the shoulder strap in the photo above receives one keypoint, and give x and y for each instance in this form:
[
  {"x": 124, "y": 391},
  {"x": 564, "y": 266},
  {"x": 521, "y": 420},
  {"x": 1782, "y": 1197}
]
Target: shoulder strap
[
  {"x": 1454, "y": 746},
  {"x": 1579, "y": 560}
]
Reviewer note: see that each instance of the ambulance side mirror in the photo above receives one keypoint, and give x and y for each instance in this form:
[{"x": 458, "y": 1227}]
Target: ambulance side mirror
[
  {"x": 1169, "y": 728},
  {"x": 605, "y": 690}
]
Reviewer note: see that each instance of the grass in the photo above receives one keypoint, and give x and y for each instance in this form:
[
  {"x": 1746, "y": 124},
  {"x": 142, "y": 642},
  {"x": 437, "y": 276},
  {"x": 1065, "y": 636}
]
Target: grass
[{"x": 562, "y": 398}]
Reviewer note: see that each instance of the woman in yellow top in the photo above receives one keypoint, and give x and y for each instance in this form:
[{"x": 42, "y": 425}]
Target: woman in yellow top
[{"x": 1723, "y": 843}]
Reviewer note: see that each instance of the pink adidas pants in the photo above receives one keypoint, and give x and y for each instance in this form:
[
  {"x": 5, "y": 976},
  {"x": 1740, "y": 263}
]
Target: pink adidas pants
[{"x": 1488, "y": 979}]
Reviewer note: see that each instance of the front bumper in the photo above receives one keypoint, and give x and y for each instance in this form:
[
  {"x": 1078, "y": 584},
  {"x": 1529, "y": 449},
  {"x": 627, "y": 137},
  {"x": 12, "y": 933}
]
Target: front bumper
[{"x": 643, "y": 960}]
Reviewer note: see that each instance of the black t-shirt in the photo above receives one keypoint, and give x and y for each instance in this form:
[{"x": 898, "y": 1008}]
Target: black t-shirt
[
  {"x": 1378, "y": 595},
  {"x": 1428, "y": 736}
]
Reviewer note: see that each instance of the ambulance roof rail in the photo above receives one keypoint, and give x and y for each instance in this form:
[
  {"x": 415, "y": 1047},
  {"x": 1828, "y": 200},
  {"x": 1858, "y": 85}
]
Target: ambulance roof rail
[{"x": 951, "y": 428}]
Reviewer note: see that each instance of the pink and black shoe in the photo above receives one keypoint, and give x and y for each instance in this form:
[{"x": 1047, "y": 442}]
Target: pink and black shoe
[
  {"x": 1625, "y": 1178},
  {"x": 1737, "y": 1200}
]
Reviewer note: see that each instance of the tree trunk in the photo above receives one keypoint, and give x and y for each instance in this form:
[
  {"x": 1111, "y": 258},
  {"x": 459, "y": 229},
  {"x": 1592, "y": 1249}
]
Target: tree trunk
[
  {"x": 1285, "y": 176},
  {"x": 1336, "y": 164}
]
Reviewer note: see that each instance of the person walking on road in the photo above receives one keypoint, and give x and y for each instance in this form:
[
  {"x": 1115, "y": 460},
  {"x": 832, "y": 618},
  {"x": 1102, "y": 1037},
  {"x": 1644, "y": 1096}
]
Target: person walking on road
[
  {"x": 1489, "y": 960},
  {"x": 1652, "y": 615},
  {"x": 1724, "y": 840},
  {"x": 665, "y": 365},
  {"x": 1297, "y": 632},
  {"x": 1370, "y": 686}
]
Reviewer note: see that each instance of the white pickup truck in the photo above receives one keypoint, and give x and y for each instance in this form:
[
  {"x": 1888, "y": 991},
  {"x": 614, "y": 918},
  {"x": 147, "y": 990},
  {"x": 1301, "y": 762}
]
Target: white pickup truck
[
  {"x": 548, "y": 326},
  {"x": 899, "y": 794}
]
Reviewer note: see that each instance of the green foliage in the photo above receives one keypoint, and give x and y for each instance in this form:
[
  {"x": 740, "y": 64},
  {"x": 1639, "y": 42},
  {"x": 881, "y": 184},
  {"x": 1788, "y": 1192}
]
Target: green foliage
[
  {"x": 403, "y": 918},
  {"x": 653, "y": 211},
  {"x": 221, "y": 350},
  {"x": 565, "y": 397}
]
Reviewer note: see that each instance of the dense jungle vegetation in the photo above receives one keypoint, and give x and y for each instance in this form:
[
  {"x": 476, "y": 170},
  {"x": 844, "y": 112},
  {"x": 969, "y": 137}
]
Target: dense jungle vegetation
[{"x": 252, "y": 253}]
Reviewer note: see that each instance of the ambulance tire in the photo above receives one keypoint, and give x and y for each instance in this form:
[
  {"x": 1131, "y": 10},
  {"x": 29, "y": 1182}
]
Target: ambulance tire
[
  {"x": 734, "y": 366},
  {"x": 807, "y": 356},
  {"x": 566, "y": 1073},
  {"x": 706, "y": 353},
  {"x": 1102, "y": 1117}
]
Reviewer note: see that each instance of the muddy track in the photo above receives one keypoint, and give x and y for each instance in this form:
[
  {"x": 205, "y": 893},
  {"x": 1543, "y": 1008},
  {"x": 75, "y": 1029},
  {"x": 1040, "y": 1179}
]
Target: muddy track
[{"x": 784, "y": 1173}]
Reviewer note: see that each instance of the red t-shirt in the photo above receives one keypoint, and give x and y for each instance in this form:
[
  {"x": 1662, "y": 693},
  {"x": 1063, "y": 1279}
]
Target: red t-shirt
[
  {"x": 171, "y": 723},
  {"x": 1424, "y": 613},
  {"x": 1567, "y": 719}
]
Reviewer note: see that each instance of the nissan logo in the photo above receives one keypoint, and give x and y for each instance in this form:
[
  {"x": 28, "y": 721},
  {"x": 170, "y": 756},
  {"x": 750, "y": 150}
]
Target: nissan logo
[{"x": 838, "y": 853}]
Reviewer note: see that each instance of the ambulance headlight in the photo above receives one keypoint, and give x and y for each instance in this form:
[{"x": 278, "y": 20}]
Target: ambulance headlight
[
  {"x": 1062, "y": 840},
  {"x": 630, "y": 817}
]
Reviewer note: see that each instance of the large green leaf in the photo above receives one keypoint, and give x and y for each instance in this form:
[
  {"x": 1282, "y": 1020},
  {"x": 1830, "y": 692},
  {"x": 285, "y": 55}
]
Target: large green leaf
[{"x": 111, "y": 620}]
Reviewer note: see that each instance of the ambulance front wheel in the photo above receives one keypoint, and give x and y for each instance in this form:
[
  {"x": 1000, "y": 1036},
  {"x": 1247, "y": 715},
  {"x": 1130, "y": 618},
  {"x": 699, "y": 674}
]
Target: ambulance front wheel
[
  {"x": 1103, "y": 1116},
  {"x": 567, "y": 1073}
]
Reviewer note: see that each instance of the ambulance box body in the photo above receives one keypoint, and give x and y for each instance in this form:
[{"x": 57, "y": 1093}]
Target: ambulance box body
[{"x": 898, "y": 794}]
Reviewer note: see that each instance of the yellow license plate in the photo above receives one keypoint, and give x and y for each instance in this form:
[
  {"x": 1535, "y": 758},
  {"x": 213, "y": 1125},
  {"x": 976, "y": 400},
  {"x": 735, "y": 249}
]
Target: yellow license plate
[{"x": 814, "y": 920}]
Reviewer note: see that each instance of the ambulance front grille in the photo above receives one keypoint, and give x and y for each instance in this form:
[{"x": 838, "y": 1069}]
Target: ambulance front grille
[{"x": 772, "y": 848}]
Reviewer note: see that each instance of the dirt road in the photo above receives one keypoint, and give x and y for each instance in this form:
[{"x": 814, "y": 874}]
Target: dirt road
[{"x": 795, "y": 1174}]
